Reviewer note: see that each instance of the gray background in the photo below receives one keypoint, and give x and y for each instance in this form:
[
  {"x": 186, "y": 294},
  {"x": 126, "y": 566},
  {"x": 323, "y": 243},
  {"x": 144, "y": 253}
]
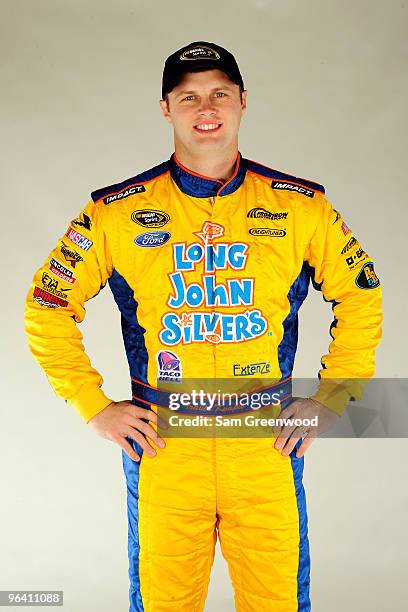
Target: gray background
[{"x": 327, "y": 100}]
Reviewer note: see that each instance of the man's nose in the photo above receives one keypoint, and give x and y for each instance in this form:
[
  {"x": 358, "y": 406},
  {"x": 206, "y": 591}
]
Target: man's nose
[{"x": 207, "y": 106}]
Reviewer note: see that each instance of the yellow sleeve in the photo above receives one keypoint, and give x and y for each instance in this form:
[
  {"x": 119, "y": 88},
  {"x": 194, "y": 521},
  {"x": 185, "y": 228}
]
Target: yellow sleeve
[
  {"x": 344, "y": 273},
  {"x": 74, "y": 272}
]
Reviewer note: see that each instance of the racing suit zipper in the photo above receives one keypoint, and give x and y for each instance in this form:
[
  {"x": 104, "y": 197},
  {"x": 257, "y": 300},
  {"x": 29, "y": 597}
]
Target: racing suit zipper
[{"x": 212, "y": 200}]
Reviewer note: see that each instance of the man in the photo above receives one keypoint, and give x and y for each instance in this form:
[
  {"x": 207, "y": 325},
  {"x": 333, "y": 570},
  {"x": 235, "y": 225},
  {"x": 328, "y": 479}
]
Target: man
[{"x": 209, "y": 257}]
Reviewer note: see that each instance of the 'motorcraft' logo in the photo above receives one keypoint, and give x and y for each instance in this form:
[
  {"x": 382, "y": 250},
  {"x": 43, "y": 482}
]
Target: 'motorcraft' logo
[{"x": 267, "y": 231}]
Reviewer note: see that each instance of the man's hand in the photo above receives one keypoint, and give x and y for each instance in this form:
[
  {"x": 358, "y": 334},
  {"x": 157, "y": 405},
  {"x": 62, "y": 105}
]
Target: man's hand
[
  {"x": 303, "y": 408},
  {"x": 121, "y": 419}
]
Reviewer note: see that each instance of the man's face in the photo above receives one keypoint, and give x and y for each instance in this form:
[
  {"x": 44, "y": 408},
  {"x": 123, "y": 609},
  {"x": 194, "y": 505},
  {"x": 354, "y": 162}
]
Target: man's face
[{"x": 205, "y": 110}]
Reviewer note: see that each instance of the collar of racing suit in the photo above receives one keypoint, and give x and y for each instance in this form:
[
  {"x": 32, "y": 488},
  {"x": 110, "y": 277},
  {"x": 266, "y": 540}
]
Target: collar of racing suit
[{"x": 200, "y": 186}]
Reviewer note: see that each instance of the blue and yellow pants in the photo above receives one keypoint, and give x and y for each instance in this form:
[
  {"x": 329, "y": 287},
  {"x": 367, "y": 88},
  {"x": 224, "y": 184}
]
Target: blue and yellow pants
[{"x": 244, "y": 490}]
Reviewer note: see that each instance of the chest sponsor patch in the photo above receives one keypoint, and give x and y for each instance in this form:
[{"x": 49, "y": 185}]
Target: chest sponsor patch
[
  {"x": 251, "y": 369},
  {"x": 367, "y": 278},
  {"x": 152, "y": 239},
  {"x": 150, "y": 218},
  {"x": 62, "y": 272},
  {"x": 121, "y": 195},
  {"x": 78, "y": 239},
  {"x": 70, "y": 255},
  {"x": 44, "y": 298},
  {"x": 267, "y": 231},
  {"x": 262, "y": 213},
  {"x": 186, "y": 322},
  {"x": 292, "y": 187},
  {"x": 169, "y": 367}
]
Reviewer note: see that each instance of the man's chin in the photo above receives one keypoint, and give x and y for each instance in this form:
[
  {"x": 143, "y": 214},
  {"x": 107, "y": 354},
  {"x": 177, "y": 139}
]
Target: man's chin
[{"x": 210, "y": 144}]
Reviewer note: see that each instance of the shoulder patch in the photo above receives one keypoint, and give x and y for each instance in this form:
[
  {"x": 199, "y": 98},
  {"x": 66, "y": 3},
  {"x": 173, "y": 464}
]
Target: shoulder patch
[
  {"x": 281, "y": 180},
  {"x": 130, "y": 186}
]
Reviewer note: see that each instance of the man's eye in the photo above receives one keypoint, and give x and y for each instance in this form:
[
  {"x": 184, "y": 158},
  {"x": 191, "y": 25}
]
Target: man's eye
[
  {"x": 188, "y": 97},
  {"x": 220, "y": 93}
]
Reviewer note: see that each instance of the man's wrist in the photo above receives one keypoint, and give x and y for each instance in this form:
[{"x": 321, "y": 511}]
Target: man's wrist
[
  {"x": 333, "y": 394},
  {"x": 89, "y": 401}
]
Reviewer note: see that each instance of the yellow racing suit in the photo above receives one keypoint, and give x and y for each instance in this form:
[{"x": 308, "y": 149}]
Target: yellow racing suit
[{"x": 209, "y": 277}]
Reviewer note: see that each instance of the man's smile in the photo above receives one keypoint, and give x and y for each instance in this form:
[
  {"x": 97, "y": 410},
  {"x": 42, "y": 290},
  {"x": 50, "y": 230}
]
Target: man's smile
[{"x": 207, "y": 127}]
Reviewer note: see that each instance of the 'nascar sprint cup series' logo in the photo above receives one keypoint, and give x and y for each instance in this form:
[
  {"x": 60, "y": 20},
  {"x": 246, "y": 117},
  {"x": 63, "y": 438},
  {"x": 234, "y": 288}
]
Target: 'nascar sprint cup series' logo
[{"x": 210, "y": 326}]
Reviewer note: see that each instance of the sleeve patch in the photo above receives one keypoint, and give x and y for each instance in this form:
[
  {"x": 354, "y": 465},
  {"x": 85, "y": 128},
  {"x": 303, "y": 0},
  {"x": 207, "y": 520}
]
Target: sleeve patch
[{"x": 367, "y": 278}]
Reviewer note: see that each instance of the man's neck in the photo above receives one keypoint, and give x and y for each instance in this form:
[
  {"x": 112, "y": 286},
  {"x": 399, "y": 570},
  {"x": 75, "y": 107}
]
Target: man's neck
[{"x": 218, "y": 167}]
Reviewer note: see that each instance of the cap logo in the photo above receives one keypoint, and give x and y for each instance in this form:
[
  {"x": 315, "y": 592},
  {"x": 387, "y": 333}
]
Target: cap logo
[{"x": 200, "y": 53}]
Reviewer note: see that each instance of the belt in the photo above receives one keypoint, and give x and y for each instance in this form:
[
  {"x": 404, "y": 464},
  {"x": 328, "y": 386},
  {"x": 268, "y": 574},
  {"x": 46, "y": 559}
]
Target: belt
[{"x": 278, "y": 393}]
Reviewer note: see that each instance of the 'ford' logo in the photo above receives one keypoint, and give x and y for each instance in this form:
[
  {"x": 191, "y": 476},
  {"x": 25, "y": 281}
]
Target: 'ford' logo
[{"x": 152, "y": 239}]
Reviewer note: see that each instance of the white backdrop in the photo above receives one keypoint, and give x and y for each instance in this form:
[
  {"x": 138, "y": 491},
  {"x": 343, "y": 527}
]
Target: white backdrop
[{"x": 327, "y": 97}]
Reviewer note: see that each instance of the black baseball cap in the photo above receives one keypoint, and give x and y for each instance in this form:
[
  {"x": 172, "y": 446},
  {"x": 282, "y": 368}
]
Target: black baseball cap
[{"x": 196, "y": 56}]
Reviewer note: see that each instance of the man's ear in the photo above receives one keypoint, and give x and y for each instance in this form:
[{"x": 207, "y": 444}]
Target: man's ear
[
  {"x": 243, "y": 105},
  {"x": 165, "y": 110}
]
